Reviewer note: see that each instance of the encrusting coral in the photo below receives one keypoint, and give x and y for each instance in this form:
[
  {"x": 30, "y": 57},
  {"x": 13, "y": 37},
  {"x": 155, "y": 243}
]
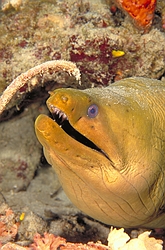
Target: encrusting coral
[
  {"x": 141, "y": 11},
  {"x": 117, "y": 239}
]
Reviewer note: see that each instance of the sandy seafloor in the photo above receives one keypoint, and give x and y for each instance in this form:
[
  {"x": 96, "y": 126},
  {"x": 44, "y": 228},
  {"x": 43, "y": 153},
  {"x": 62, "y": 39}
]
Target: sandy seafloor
[{"x": 32, "y": 32}]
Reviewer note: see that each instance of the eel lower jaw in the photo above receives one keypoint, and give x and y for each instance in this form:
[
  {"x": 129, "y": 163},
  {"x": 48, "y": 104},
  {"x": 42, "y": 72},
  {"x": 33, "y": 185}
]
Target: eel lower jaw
[{"x": 62, "y": 120}]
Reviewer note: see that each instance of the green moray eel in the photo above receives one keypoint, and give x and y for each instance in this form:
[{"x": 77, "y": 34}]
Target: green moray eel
[{"x": 107, "y": 146}]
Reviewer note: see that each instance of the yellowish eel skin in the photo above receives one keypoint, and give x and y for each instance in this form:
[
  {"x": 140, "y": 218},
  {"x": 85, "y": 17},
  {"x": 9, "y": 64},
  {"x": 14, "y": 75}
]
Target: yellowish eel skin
[{"x": 107, "y": 146}]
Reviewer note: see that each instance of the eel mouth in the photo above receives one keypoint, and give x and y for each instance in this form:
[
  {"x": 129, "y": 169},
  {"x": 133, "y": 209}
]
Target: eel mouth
[{"x": 62, "y": 120}]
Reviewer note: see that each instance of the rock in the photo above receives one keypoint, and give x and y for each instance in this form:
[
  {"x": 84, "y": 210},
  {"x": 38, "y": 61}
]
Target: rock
[{"x": 20, "y": 152}]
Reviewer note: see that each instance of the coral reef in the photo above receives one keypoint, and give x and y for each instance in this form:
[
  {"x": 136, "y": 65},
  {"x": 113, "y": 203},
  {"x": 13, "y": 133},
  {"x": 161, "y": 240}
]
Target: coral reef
[{"x": 86, "y": 33}]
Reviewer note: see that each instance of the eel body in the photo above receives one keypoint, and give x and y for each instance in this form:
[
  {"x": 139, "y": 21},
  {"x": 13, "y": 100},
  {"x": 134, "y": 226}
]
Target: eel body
[{"x": 107, "y": 146}]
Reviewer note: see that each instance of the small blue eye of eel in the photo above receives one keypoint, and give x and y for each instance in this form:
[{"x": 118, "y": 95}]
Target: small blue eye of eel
[{"x": 92, "y": 111}]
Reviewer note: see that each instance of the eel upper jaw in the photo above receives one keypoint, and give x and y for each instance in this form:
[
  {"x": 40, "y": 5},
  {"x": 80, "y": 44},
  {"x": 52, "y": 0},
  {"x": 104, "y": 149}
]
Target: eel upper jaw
[{"x": 62, "y": 120}]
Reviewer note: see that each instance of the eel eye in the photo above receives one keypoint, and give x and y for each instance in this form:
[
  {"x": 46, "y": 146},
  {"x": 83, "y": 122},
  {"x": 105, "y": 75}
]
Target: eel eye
[{"x": 92, "y": 111}]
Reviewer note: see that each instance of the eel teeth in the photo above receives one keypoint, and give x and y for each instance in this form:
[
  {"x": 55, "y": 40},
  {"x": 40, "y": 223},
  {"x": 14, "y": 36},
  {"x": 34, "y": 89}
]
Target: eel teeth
[{"x": 58, "y": 115}]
